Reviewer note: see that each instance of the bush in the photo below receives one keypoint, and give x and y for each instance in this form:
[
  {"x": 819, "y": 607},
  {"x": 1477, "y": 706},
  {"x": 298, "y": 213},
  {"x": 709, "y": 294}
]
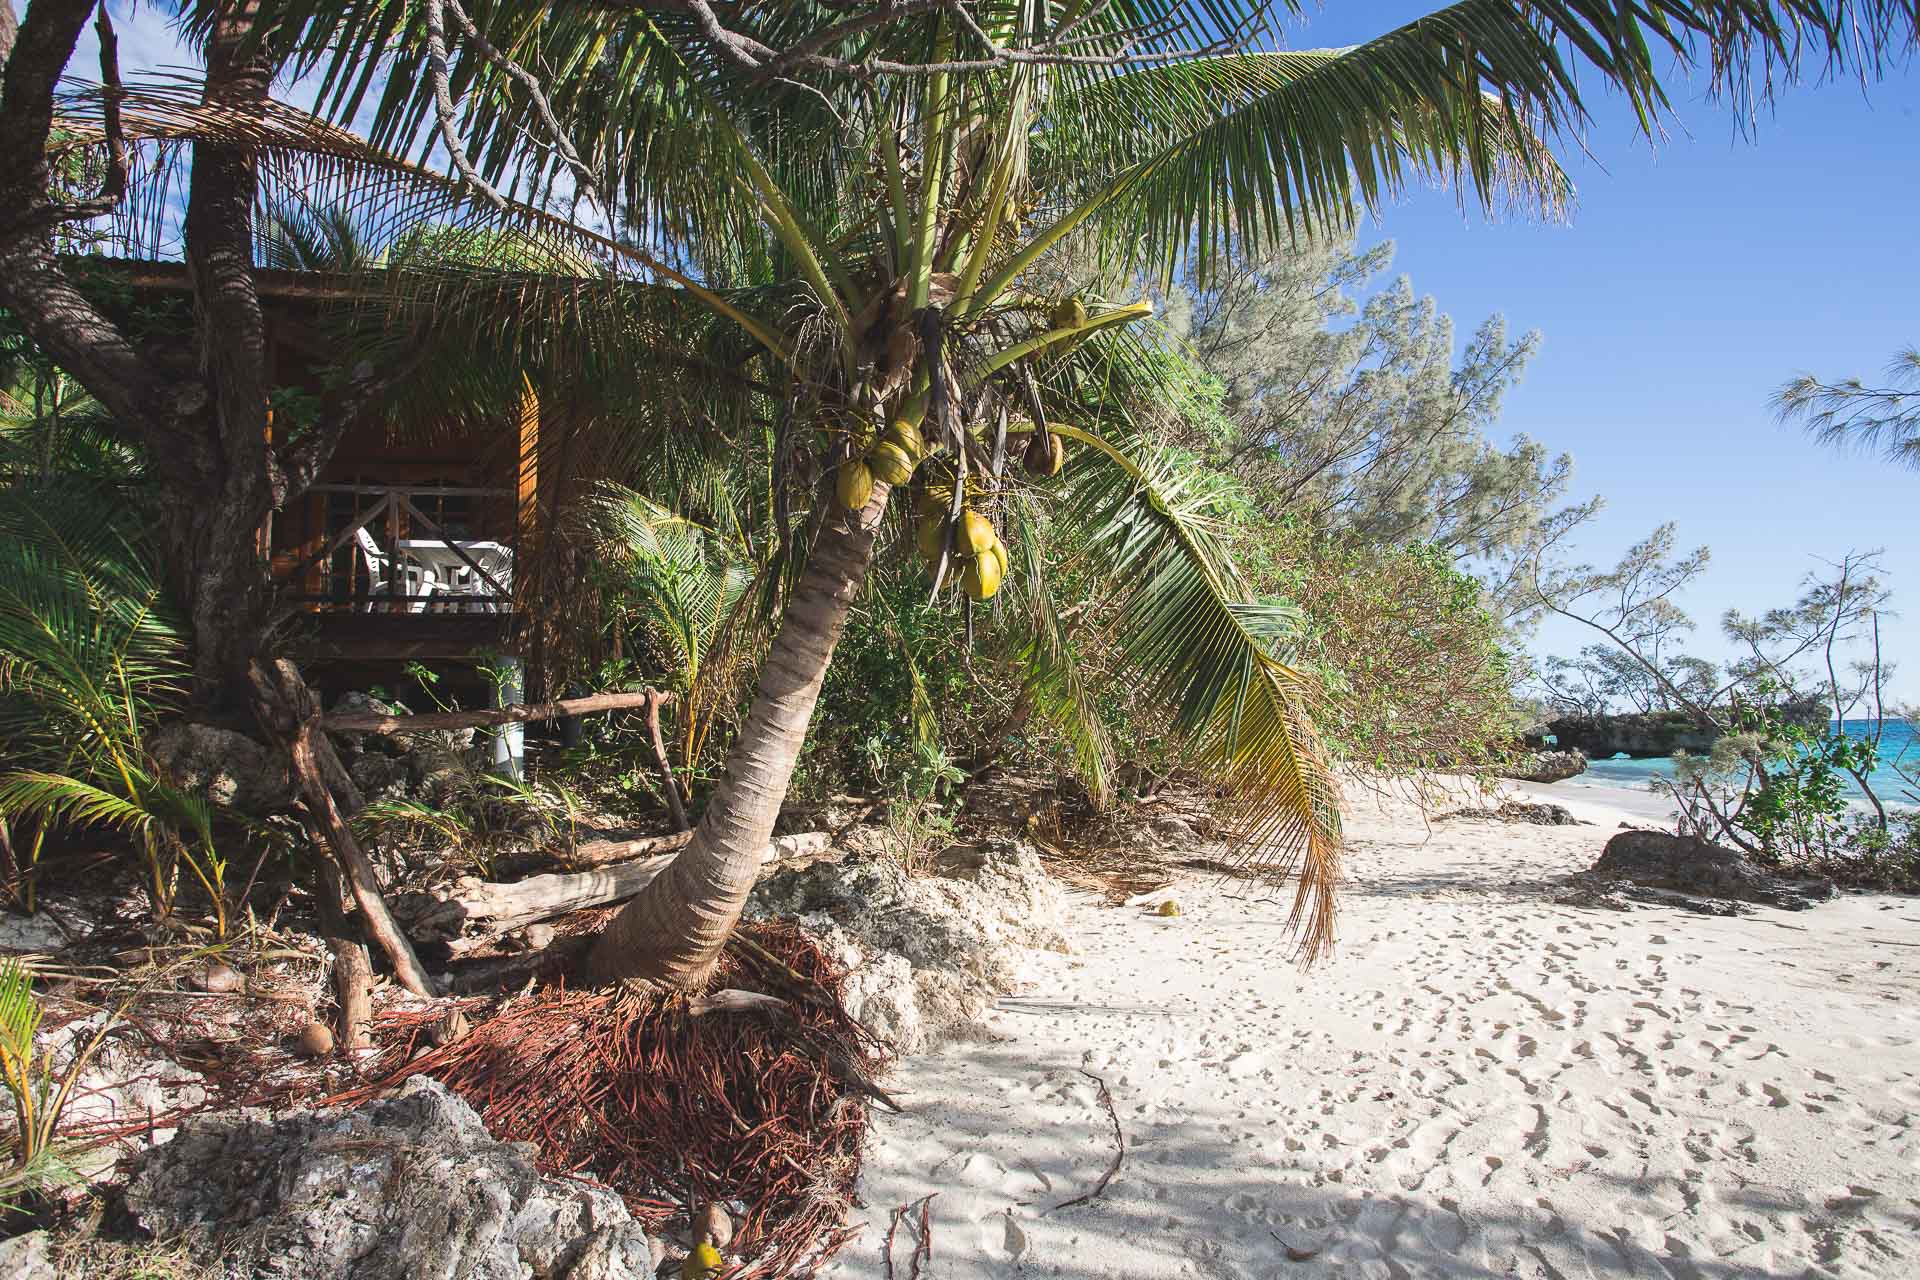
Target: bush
[{"x": 1409, "y": 659}]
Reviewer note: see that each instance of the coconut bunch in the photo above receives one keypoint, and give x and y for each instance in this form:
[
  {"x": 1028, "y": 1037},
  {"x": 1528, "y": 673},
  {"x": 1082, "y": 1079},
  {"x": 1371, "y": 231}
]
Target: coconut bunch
[
  {"x": 967, "y": 540},
  {"x": 891, "y": 457},
  {"x": 952, "y": 533}
]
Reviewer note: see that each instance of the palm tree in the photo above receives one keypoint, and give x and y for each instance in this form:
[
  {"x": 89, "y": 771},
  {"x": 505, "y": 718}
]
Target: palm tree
[{"x": 883, "y": 204}]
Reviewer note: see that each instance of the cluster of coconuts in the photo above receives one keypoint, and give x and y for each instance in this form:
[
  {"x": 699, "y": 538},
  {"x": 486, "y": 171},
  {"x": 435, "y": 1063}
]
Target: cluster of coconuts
[
  {"x": 892, "y": 459},
  {"x": 977, "y": 549}
]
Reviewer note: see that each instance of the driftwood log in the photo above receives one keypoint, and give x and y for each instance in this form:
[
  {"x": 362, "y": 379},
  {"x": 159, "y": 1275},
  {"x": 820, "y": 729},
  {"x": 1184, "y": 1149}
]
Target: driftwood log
[
  {"x": 471, "y": 913},
  {"x": 598, "y": 853}
]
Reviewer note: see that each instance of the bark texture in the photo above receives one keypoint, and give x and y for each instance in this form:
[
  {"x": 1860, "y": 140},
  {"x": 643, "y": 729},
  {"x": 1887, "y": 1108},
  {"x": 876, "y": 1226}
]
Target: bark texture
[{"x": 671, "y": 934}]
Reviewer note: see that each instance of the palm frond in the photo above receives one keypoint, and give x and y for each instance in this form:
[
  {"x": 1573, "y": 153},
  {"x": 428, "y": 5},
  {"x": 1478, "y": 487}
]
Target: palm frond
[
  {"x": 56, "y": 797},
  {"x": 1216, "y": 656},
  {"x": 686, "y": 578},
  {"x": 1055, "y": 681}
]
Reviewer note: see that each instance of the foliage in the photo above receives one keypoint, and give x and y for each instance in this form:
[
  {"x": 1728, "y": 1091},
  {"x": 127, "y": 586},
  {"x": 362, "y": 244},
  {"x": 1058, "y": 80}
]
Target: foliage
[
  {"x": 916, "y": 817},
  {"x": 38, "y": 1095},
  {"x": 1353, "y": 417},
  {"x": 90, "y": 659},
  {"x": 1851, "y": 413},
  {"x": 1799, "y": 810},
  {"x": 1412, "y": 661},
  {"x": 472, "y": 812},
  {"x": 1776, "y": 781},
  {"x": 850, "y": 225}
]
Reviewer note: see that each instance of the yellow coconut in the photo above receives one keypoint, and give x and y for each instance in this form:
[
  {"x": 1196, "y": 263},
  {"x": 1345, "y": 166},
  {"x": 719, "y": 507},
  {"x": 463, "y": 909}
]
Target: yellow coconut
[
  {"x": 931, "y": 538},
  {"x": 983, "y": 575},
  {"x": 976, "y": 533},
  {"x": 891, "y": 463},
  {"x": 855, "y": 484},
  {"x": 907, "y": 436}
]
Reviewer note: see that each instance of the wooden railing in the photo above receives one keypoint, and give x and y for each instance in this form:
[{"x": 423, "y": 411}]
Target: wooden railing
[{"x": 389, "y": 551}]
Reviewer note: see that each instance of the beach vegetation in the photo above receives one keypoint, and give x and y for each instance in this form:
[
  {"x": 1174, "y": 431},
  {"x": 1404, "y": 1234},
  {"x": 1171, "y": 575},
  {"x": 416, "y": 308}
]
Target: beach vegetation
[
  {"x": 1775, "y": 783},
  {"x": 917, "y": 252}
]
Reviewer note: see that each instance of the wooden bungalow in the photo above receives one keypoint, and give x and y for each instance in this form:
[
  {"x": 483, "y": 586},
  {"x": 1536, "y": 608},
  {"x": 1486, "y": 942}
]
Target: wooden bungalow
[{"x": 413, "y": 546}]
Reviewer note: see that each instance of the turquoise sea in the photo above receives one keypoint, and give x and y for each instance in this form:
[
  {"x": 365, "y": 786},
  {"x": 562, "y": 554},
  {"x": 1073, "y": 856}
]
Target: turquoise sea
[{"x": 1896, "y": 738}]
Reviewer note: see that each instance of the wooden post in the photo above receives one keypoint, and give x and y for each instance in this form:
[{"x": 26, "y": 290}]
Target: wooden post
[{"x": 526, "y": 520}]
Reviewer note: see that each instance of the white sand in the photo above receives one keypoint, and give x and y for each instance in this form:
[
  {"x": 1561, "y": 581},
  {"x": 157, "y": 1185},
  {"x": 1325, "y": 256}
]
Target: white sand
[{"x": 1482, "y": 1083}]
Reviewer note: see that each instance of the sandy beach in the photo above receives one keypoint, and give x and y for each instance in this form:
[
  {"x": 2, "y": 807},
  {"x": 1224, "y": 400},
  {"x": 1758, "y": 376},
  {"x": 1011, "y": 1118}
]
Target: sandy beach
[{"x": 1480, "y": 1083}]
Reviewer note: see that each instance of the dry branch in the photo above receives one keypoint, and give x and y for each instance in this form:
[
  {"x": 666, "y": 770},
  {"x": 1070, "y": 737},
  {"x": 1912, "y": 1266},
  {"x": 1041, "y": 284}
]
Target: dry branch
[
  {"x": 286, "y": 709},
  {"x": 520, "y": 713},
  {"x": 598, "y": 853},
  {"x": 1119, "y": 1146},
  {"x": 472, "y": 913}
]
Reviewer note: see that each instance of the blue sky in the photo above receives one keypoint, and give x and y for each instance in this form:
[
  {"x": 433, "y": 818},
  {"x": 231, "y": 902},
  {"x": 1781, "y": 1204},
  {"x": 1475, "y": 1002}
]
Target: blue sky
[{"x": 1695, "y": 276}]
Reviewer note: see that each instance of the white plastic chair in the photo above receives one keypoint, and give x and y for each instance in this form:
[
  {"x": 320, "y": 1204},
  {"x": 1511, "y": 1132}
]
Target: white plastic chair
[
  {"x": 413, "y": 579},
  {"x": 498, "y": 565}
]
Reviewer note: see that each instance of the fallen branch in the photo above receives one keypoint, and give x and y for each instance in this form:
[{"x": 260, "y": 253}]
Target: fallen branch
[
  {"x": 520, "y": 713},
  {"x": 1119, "y": 1147},
  {"x": 288, "y": 711},
  {"x": 472, "y": 913},
  {"x": 352, "y": 968},
  {"x": 598, "y": 853}
]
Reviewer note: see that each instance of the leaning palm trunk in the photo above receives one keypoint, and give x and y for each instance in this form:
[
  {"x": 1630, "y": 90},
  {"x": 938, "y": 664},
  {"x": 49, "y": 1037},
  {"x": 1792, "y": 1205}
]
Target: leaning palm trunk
[{"x": 671, "y": 934}]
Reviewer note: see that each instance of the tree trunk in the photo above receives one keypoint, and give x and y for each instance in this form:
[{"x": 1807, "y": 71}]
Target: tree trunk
[
  {"x": 672, "y": 932},
  {"x": 213, "y": 536}
]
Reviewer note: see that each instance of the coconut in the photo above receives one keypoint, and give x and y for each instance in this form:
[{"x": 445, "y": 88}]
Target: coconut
[
  {"x": 1068, "y": 313},
  {"x": 1045, "y": 455},
  {"x": 976, "y": 533},
  {"x": 931, "y": 538},
  {"x": 998, "y": 551},
  {"x": 891, "y": 463},
  {"x": 855, "y": 484},
  {"x": 983, "y": 576},
  {"x": 906, "y": 436}
]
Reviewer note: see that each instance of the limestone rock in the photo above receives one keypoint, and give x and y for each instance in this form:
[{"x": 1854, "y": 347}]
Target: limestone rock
[
  {"x": 1545, "y": 815},
  {"x": 30, "y": 933},
  {"x": 926, "y": 954},
  {"x": 1684, "y": 864},
  {"x": 411, "y": 1186},
  {"x": 1547, "y": 766},
  {"x": 227, "y": 768},
  {"x": 26, "y": 1257}
]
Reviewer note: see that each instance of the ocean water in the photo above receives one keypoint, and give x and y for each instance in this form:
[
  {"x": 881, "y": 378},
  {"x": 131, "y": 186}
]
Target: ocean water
[{"x": 1897, "y": 745}]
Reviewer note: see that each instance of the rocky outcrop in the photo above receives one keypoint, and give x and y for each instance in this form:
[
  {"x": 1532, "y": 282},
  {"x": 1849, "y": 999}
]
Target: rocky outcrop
[
  {"x": 410, "y": 1186},
  {"x": 1546, "y": 766},
  {"x": 1641, "y": 736},
  {"x": 926, "y": 954},
  {"x": 225, "y": 767},
  {"x": 1671, "y": 864},
  {"x": 1542, "y": 815},
  {"x": 1644, "y": 735}
]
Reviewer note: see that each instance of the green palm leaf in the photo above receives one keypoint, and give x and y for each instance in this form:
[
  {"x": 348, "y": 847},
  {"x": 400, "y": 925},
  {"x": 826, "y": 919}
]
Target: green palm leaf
[{"x": 1188, "y": 626}]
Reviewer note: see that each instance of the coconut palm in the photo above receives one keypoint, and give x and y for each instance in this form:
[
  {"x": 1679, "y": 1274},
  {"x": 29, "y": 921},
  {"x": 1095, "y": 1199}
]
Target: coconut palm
[{"x": 893, "y": 242}]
